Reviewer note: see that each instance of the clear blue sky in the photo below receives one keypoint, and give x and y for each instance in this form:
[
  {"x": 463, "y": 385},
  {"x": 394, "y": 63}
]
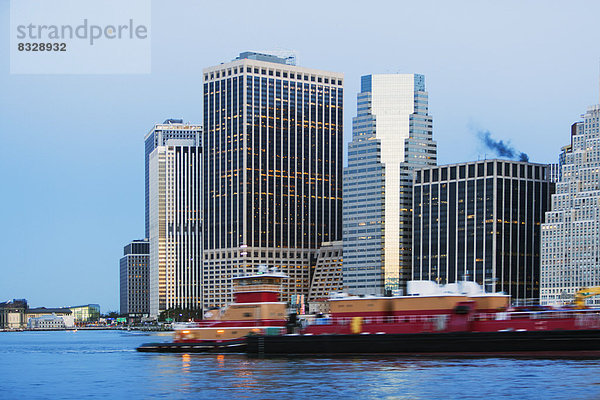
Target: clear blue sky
[{"x": 72, "y": 146}]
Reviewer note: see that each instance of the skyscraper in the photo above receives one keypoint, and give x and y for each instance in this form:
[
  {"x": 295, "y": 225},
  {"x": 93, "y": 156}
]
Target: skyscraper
[
  {"x": 391, "y": 135},
  {"x": 134, "y": 279},
  {"x": 480, "y": 221},
  {"x": 174, "y": 202},
  {"x": 172, "y": 129},
  {"x": 272, "y": 170},
  {"x": 571, "y": 233}
]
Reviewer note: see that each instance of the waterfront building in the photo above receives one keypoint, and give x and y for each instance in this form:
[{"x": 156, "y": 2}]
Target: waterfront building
[
  {"x": 174, "y": 187},
  {"x": 273, "y": 134},
  {"x": 85, "y": 313},
  {"x": 480, "y": 221},
  {"x": 172, "y": 130},
  {"x": 49, "y": 321},
  {"x": 134, "y": 279},
  {"x": 16, "y": 314},
  {"x": 12, "y": 314},
  {"x": 571, "y": 233},
  {"x": 65, "y": 314},
  {"x": 391, "y": 135},
  {"x": 327, "y": 277}
]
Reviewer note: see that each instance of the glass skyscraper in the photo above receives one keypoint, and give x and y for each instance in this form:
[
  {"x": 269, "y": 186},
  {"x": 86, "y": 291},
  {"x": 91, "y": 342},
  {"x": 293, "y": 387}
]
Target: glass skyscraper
[
  {"x": 571, "y": 233},
  {"x": 391, "y": 135},
  {"x": 480, "y": 221},
  {"x": 272, "y": 170}
]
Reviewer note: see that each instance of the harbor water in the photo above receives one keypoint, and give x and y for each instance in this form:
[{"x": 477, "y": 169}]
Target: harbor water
[{"x": 104, "y": 364}]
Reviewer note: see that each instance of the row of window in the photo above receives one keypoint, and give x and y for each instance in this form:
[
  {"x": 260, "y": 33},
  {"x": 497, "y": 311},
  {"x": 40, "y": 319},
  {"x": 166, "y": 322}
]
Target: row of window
[
  {"x": 507, "y": 169},
  {"x": 273, "y": 72}
]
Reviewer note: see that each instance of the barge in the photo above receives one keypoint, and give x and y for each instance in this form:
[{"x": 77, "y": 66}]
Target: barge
[{"x": 458, "y": 319}]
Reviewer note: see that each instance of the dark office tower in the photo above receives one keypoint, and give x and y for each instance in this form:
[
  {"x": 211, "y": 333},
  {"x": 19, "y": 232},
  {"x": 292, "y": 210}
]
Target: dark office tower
[
  {"x": 480, "y": 221},
  {"x": 134, "y": 277},
  {"x": 172, "y": 130},
  {"x": 272, "y": 164}
]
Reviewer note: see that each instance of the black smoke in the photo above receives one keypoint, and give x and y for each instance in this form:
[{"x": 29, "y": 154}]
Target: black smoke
[{"x": 501, "y": 148}]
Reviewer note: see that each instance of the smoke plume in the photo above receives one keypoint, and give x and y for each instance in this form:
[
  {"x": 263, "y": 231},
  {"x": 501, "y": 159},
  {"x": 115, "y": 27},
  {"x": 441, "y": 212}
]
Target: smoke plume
[{"x": 501, "y": 148}]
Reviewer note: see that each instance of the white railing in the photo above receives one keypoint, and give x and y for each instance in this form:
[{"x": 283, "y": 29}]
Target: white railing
[
  {"x": 550, "y": 314},
  {"x": 392, "y": 319},
  {"x": 498, "y": 316}
]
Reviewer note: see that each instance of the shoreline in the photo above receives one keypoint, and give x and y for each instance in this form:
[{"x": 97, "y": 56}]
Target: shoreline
[{"x": 91, "y": 328}]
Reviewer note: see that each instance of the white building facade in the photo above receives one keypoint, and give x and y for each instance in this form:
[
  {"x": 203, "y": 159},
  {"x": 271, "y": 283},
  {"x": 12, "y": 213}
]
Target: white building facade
[
  {"x": 391, "y": 135},
  {"x": 570, "y": 245},
  {"x": 171, "y": 130},
  {"x": 175, "y": 276},
  {"x": 51, "y": 322}
]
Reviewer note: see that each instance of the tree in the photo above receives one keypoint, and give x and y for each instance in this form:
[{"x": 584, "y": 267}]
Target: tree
[
  {"x": 112, "y": 314},
  {"x": 178, "y": 314}
]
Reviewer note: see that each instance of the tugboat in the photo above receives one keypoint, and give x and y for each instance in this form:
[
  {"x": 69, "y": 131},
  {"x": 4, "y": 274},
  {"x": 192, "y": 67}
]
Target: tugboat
[
  {"x": 455, "y": 319},
  {"x": 256, "y": 310}
]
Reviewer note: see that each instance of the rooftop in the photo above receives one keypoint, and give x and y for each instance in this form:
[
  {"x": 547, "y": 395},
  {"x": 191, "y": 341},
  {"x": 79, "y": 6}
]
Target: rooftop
[
  {"x": 289, "y": 59},
  {"x": 44, "y": 310}
]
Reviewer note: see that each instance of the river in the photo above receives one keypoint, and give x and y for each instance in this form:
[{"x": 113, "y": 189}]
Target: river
[{"x": 104, "y": 364}]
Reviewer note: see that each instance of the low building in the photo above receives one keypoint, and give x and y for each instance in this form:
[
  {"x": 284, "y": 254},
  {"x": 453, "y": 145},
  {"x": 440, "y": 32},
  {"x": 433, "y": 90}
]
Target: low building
[
  {"x": 12, "y": 314},
  {"x": 16, "y": 314},
  {"x": 65, "y": 314},
  {"x": 51, "y": 321},
  {"x": 86, "y": 313},
  {"x": 328, "y": 275}
]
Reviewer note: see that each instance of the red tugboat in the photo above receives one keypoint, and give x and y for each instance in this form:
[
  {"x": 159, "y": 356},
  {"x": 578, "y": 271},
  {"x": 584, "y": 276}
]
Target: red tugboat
[
  {"x": 255, "y": 310},
  {"x": 455, "y": 319}
]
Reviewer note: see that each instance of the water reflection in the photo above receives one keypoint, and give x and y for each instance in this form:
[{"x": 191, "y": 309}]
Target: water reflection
[
  {"x": 99, "y": 362},
  {"x": 185, "y": 363},
  {"x": 221, "y": 360}
]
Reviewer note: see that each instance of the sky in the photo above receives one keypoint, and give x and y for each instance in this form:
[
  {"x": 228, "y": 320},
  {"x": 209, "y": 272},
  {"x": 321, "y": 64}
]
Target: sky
[{"x": 72, "y": 156}]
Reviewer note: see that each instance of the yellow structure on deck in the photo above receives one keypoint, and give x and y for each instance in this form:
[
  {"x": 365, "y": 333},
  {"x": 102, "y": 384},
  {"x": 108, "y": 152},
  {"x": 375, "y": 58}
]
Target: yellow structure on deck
[{"x": 583, "y": 294}]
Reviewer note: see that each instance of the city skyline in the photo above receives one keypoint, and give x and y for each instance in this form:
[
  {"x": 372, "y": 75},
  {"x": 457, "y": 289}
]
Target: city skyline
[{"x": 90, "y": 186}]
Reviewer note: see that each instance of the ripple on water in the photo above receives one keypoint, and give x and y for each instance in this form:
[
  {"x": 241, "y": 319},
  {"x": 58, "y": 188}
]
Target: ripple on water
[{"x": 93, "y": 364}]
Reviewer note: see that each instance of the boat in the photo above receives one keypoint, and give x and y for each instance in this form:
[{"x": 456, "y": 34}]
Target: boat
[
  {"x": 256, "y": 310},
  {"x": 455, "y": 319}
]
